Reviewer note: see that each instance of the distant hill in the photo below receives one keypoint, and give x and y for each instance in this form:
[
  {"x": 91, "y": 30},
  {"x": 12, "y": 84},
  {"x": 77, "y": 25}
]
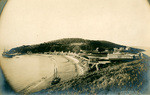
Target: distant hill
[{"x": 67, "y": 44}]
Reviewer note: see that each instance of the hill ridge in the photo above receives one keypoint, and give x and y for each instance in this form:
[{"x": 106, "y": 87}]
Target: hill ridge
[{"x": 66, "y": 44}]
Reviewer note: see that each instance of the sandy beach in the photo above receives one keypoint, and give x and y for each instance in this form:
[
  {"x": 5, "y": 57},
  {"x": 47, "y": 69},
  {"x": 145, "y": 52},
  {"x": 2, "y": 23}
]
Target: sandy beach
[
  {"x": 80, "y": 70},
  {"x": 35, "y": 72}
]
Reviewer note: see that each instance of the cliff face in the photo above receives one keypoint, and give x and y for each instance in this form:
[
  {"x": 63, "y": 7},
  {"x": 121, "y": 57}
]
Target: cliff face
[{"x": 67, "y": 44}]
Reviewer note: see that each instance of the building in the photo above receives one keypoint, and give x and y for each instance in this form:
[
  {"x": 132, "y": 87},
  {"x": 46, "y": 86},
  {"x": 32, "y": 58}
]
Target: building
[
  {"x": 127, "y": 48},
  {"x": 122, "y": 56}
]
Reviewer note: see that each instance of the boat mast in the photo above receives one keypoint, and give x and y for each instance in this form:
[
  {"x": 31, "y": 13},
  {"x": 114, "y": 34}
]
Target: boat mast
[{"x": 56, "y": 72}]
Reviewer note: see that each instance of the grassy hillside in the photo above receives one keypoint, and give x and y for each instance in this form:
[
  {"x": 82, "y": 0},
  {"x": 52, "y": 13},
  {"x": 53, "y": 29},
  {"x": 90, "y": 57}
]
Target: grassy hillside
[
  {"x": 117, "y": 77},
  {"x": 67, "y": 44}
]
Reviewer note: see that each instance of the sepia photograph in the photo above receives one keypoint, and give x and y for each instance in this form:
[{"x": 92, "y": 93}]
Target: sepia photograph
[{"x": 74, "y": 47}]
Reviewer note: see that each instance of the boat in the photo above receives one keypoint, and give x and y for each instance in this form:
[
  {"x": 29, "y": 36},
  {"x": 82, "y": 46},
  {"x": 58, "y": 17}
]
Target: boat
[
  {"x": 7, "y": 55},
  {"x": 56, "y": 79}
]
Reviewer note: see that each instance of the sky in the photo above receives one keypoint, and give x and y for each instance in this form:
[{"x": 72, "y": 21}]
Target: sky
[{"x": 26, "y": 22}]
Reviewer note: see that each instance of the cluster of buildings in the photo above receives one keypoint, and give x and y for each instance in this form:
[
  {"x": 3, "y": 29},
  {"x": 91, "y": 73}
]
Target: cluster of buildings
[
  {"x": 123, "y": 54},
  {"x": 93, "y": 61}
]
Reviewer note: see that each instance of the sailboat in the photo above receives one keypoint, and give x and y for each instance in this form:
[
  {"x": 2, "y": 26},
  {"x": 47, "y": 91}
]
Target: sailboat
[{"x": 56, "y": 79}]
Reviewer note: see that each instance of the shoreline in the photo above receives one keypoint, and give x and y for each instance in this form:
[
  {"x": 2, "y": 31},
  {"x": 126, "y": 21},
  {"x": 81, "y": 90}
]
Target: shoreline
[
  {"x": 79, "y": 68},
  {"x": 70, "y": 59},
  {"x": 34, "y": 87}
]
